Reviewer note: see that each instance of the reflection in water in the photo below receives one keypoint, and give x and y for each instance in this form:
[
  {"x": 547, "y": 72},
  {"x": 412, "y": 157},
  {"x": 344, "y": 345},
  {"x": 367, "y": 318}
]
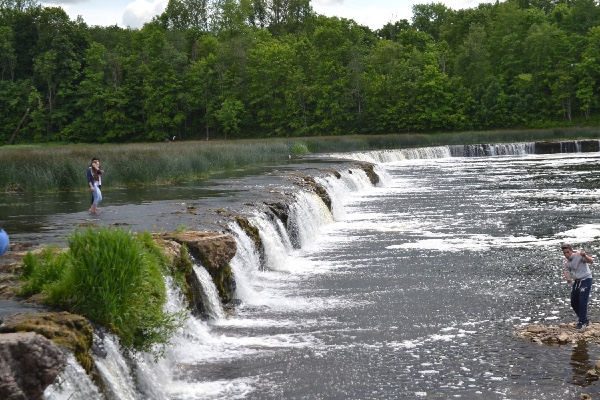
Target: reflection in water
[{"x": 581, "y": 364}]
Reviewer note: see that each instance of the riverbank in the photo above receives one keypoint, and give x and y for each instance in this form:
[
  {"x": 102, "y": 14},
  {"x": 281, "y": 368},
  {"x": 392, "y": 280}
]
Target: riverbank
[{"x": 47, "y": 169}]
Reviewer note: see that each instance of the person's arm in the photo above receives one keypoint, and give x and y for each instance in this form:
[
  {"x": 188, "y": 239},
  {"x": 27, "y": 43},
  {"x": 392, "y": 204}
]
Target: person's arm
[
  {"x": 587, "y": 258},
  {"x": 566, "y": 273},
  {"x": 90, "y": 178}
]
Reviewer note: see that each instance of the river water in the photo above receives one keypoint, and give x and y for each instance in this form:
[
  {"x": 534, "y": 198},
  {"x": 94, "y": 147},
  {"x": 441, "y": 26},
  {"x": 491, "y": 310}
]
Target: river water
[{"x": 409, "y": 289}]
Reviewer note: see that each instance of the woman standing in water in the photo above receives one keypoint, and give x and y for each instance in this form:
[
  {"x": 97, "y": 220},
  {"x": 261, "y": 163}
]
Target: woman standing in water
[{"x": 94, "y": 178}]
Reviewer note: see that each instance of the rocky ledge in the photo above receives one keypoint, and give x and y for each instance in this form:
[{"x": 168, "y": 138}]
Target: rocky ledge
[
  {"x": 28, "y": 364},
  {"x": 33, "y": 345},
  {"x": 560, "y": 334}
]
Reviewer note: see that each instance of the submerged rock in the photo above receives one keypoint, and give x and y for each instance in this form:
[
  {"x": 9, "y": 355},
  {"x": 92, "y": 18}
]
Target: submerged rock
[
  {"x": 561, "y": 333},
  {"x": 28, "y": 364}
]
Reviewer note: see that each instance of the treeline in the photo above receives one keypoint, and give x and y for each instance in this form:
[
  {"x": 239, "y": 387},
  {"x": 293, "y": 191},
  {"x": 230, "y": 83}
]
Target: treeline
[{"x": 209, "y": 69}]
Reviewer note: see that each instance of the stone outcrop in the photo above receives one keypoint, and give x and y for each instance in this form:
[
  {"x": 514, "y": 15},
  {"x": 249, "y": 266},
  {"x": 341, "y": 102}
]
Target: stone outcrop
[
  {"x": 370, "y": 171},
  {"x": 561, "y": 333},
  {"x": 28, "y": 364},
  {"x": 215, "y": 251},
  {"x": 64, "y": 329}
]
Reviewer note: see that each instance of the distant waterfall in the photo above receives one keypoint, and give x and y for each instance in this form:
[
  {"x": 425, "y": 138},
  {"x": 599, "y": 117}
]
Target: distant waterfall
[
  {"x": 210, "y": 295},
  {"x": 472, "y": 150},
  {"x": 386, "y": 156},
  {"x": 487, "y": 150}
]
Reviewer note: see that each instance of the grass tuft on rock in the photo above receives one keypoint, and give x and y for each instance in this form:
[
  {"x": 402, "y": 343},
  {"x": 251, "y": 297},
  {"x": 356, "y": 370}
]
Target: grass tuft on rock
[{"x": 113, "y": 278}]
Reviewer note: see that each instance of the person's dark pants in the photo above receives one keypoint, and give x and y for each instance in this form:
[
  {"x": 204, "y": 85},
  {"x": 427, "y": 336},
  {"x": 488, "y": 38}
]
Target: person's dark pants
[{"x": 580, "y": 296}]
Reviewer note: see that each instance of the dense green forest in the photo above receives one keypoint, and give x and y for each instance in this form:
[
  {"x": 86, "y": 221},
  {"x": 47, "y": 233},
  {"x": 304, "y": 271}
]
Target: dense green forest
[{"x": 219, "y": 69}]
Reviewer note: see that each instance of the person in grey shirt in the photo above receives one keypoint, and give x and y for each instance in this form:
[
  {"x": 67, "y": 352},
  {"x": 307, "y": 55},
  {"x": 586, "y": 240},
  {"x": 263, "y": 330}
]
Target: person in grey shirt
[{"x": 577, "y": 270}]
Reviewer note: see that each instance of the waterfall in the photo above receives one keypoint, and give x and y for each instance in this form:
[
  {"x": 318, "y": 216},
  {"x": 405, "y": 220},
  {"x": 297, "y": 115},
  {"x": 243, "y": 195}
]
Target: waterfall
[
  {"x": 386, "y": 156},
  {"x": 73, "y": 383},
  {"x": 469, "y": 150},
  {"x": 262, "y": 279},
  {"x": 308, "y": 214},
  {"x": 114, "y": 370},
  {"x": 352, "y": 180},
  {"x": 210, "y": 295},
  {"x": 276, "y": 242}
]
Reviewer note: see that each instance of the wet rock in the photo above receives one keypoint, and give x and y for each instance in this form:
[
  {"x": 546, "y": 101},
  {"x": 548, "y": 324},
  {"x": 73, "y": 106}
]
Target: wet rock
[
  {"x": 64, "y": 329},
  {"x": 28, "y": 364},
  {"x": 589, "y": 146},
  {"x": 547, "y": 147},
  {"x": 370, "y": 171},
  {"x": 561, "y": 333},
  {"x": 215, "y": 251},
  {"x": 250, "y": 230},
  {"x": 309, "y": 181}
]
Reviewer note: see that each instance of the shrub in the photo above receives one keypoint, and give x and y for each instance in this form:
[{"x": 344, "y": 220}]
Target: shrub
[
  {"x": 43, "y": 269},
  {"x": 115, "y": 279}
]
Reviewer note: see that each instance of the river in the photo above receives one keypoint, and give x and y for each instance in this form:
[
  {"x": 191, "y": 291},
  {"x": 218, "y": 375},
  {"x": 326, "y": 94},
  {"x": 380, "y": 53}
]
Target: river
[{"x": 408, "y": 289}]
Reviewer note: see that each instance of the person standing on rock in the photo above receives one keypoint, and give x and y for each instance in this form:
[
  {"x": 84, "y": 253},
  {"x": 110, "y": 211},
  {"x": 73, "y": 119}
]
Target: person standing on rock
[
  {"x": 94, "y": 178},
  {"x": 577, "y": 270}
]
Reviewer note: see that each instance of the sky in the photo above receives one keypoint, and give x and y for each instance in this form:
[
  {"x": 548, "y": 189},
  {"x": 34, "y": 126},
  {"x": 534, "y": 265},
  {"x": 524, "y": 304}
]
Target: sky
[{"x": 134, "y": 13}]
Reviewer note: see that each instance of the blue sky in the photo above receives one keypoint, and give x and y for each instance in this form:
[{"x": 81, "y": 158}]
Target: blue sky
[{"x": 134, "y": 13}]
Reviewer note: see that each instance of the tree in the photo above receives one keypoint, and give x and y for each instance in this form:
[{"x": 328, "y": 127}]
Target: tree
[
  {"x": 229, "y": 115},
  {"x": 429, "y": 18}
]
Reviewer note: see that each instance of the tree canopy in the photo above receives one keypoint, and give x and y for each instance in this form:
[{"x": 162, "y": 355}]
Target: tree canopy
[{"x": 216, "y": 69}]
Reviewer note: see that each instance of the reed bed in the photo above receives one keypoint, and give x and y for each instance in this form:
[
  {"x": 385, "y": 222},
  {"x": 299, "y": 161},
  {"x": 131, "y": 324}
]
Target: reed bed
[{"x": 62, "y": 168}]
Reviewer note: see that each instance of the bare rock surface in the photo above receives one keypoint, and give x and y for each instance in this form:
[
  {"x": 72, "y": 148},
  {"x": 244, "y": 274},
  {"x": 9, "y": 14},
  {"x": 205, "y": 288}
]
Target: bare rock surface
[
  {"x": 561, "y": 333},
  {"x": 28, "y": 364}
]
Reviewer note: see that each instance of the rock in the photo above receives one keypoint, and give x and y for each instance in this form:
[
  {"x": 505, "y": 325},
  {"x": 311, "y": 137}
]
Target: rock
[
  {"x": 547, "y": 147},
  {"x": 28, "y": 364},
  {"x": 64, "y": 329},
  {"x": 215, "y": 251},
  {"x": 561, "y": 333},
  {"x": 369, "y": 169},
  {"x": 536, "y": 329},
  {"x": 563, "y": 338}
]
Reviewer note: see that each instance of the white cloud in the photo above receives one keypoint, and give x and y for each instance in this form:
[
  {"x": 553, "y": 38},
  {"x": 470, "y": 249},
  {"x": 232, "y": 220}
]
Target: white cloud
[{"x": 142, "y": 11}]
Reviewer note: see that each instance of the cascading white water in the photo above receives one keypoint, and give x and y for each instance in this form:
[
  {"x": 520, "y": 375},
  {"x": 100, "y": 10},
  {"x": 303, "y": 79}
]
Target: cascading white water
[
  {"x": 471, "y": 150},
  {"x": 308, "y": 214},
  {"x": 351, "y": 180},
  {"x": 210, "y": 295},
  {"x": 276, "y": 242},
  {"x": 386, "y": 156},
  {"x": 72, "y": 384},
  {"x": 263, "y": 286},
  {"x": 114, "y": 370}
]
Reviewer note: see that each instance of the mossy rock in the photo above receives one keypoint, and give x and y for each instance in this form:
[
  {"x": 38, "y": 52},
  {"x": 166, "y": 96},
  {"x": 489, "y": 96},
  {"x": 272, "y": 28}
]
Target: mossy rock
[
  {"x": 68, "y": 330},
  {"x": 250, "y": 230},
  {"x": 215, "y": 251}
]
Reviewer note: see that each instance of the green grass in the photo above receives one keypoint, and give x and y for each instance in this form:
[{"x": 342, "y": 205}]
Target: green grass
[
  {"x": 62, "y": 167},
  {"x": 112, "y": 277}
]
